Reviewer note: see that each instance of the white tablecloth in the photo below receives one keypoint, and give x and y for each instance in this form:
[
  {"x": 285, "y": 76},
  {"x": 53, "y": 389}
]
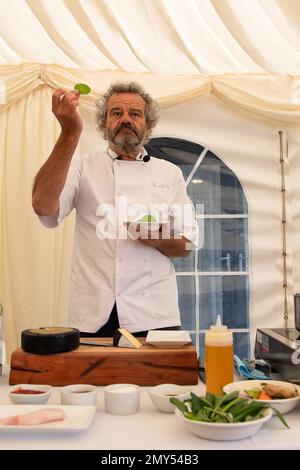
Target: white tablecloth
[{"x": 148, "y": 429}]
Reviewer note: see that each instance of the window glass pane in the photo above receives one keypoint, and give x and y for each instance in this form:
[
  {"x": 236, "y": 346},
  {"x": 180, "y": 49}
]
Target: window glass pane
[
  {"x": 216, "y": 186},
  {"x": 187, "y": 301},
  {"x": 236, "y": 301},
  {"x": 224, "y": 295},
  {"x": 178, "y": 151},
  {"x": 202, "y": 345},
  {"x": 241, "y": 345},
  {"x": 225, "y": 245},
  {"x": 185, "y": 264},
  {"x": 186, "y": 170}
]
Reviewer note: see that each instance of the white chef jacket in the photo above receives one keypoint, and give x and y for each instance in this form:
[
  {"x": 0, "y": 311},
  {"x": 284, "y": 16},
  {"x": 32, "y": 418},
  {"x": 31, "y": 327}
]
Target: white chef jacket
[{"x": 139, "y": 278}]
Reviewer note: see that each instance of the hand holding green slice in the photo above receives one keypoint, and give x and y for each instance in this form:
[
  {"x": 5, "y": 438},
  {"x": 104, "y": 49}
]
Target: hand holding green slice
[{"x": 82, "y": 88}]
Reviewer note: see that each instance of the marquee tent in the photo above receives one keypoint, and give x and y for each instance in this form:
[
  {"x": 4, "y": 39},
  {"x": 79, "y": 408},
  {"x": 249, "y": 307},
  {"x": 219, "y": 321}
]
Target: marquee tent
[{"x": 227, "y": 76}]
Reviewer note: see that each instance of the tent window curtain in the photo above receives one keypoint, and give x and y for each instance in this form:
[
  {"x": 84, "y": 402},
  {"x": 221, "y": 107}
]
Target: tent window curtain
[{"x": 214, "y": 279}]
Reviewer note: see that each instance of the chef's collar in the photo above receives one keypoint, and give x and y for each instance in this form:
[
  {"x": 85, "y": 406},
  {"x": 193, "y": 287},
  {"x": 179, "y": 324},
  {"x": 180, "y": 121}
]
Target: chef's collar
[{"x": 114, "y": 156}]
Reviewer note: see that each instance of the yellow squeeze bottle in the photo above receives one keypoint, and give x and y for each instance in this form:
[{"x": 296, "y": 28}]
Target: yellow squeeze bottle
[{"x": 219, "y": 357}]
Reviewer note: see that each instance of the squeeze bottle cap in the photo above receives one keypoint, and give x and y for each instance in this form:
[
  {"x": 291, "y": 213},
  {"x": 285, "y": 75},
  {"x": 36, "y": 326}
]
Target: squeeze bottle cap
[
  {"x": 218, "y": 327},
  {"x": 218, "y": 334}
]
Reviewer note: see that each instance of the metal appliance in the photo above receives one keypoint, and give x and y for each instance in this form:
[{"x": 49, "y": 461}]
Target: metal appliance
[{"x": 280, "y": 347}]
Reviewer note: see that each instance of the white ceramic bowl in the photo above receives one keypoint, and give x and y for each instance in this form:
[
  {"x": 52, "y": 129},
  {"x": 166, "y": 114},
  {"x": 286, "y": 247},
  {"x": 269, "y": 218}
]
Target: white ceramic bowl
[
  {"x": 28, "y": 398},
  {"x": 223, "y": 431},
  {"x": 122, "y": 399},
  {"x": 284, "y": 405},
  {"x": 161, "y": 394},
  {"x": 79, "y": 394}
]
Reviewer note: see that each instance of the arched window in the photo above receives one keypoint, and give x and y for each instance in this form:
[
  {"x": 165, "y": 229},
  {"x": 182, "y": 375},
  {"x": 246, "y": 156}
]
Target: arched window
[{"x": 215, "y": 279}]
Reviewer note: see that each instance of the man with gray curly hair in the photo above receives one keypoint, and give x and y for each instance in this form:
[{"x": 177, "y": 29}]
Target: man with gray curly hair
[
  {"x": 132, "y": 144},
  {"x": 121, "y": 275}
]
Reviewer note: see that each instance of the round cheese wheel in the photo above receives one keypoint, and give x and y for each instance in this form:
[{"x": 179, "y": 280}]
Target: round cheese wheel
[{"x": 50, "y": 340}]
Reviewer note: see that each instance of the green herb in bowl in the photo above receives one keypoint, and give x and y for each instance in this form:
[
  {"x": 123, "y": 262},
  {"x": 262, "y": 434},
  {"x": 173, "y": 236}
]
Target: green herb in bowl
[{"x": 223, "y": 409}]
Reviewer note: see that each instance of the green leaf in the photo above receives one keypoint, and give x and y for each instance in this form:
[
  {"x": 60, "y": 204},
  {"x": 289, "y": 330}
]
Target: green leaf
[
  {"x": 221, "y": 419},
  {"x": 82, "y": 88},
  {"x": 227, "y": 399},
  {"x": 211, "y": 399},
  {"x": 226, "y": 417},
  {"x": 252, "y": 408},
  {"x": 254, "y": 417},
  {"x": 218, "y": 400},
  {"x": 238, "y": 406},
  {"x": 279, "y": 416},
  {"x": 232, "y": 403},
  {"x": 148, "y": 218},
  {"x": 198, "y": 403},
  {"x": 191, "y": 416},
  {"x": 179, "y": 404},
  {"x": 202, "y": 416}
]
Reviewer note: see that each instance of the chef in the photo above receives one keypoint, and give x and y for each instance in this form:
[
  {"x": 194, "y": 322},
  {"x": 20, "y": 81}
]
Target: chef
[{"x": 122, "y": 273}]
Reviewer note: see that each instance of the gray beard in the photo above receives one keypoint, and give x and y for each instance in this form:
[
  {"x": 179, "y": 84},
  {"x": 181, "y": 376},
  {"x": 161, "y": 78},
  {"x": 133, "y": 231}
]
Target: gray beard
[{"x": 130, "y": 144}]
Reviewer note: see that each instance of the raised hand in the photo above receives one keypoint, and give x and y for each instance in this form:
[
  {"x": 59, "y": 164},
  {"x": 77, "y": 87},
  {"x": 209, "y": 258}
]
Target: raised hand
[{"x": 64, "y": 107}]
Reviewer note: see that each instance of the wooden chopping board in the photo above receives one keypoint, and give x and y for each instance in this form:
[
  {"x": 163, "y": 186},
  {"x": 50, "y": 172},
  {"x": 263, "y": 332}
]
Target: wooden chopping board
[{"x": 106, "y": 365}]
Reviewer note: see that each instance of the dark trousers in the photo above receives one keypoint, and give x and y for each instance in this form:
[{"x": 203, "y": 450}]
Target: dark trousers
[{"x": 108, "y": 330}]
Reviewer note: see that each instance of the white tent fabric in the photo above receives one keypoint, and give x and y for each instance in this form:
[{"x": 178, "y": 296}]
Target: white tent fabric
[
  {"x": 160, "y": 36},
  {"x": 226, "y": 74},
  {"x": 265, "y": 95}
]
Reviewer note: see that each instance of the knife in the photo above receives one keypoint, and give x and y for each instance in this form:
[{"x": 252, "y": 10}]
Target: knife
[{"x": 95, "y": 343}]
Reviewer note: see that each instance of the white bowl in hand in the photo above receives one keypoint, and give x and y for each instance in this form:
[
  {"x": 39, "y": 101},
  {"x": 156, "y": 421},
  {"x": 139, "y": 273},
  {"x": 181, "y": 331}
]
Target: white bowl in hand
[
  {"x": 29, "y": 394},
  {"x": 161, "y": 394}
]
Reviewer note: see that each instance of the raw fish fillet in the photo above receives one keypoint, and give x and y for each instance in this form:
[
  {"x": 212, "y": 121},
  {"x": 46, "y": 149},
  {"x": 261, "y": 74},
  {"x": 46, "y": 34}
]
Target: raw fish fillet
[{"x": 34, "y": 417}]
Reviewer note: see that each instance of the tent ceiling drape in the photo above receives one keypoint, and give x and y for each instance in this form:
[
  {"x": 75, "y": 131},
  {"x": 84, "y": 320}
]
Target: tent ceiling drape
[
  {"x": 160, "y": 36},
  {"x": 179, "y": 49},
  {"x": 265, "y": 95}
]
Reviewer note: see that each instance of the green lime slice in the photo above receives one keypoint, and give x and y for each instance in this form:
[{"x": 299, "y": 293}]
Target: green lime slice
[
  {"x": 82, "y": 88},
  {"x": 148, "y": 218}
]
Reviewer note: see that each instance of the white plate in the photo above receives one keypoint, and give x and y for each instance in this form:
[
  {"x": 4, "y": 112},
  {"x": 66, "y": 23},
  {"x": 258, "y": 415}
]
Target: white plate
[
  {"x": 223, "y": 431},
  {"x": 77, "y": 418},
  {"x": 283, "y": 405},
  {"x": 168, "y": 338}
]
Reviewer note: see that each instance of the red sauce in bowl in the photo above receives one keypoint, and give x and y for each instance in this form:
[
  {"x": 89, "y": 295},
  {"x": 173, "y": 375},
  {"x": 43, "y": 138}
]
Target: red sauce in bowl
[{"x": 25, "y": 391}]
